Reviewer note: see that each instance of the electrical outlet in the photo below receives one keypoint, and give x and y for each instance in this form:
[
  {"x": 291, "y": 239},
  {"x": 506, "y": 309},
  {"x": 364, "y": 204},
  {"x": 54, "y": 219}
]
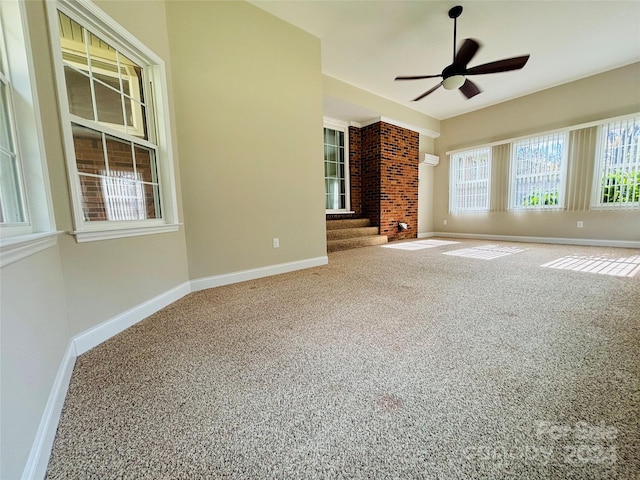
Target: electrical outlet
[
  {"x": 580, "y": 224},
  {"x": 444, "y": 222},
  {"x": 276, "y": 242}
]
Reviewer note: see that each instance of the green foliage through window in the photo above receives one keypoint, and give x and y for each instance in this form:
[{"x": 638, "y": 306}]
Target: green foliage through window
[
  {"x": 621, "y": 187},
  {"x": 541, "y": 198}
]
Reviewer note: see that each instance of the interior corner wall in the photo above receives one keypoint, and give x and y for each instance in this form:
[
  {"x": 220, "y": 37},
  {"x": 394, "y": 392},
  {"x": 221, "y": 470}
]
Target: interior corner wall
[
  {"x": 370, "y": 147},
  {"x": 590, "y": 99},
  {"x": 248, "y": 97},
  {"x": 355, "y": 171}
]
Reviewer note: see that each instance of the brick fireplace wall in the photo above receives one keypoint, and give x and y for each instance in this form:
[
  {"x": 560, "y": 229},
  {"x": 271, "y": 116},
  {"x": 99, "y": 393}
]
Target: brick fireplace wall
[
  {"x": 383, "y": 171},
  {"x": 398, "y": 181},
  {"x": 387, "y": 160}
]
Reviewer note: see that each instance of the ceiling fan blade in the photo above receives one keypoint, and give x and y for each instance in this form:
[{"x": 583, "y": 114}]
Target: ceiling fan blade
[
  {"x": 419, "y": 77},
  {"x": 469, "y": 89},
  {"x": 427, "y": 92},
  {"x": 505, "y": 65},
  {"x": 466, "y": 52}
]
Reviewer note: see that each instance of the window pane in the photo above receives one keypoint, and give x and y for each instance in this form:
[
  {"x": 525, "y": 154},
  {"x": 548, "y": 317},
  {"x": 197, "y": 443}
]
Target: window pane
[
  {"x": 108, "y": 104},
  {"x": 334, "y": 169},
  {"x": 71, "y": 33},
  {"x": 331, "y": 154},
  {"x": 136, "y": 116},
  {"x": 11, "y": 210},
  {"x": 329, "y": 136},
  {"x": 330, "y": 169},
  {"x": 132, "y": 73},
  {"x": 538, "y": 166},
  {"x": 152, "y": 200},
  {"x": 89, "y": 152},
  {"x": 145, "y": 164},
  {"x": 79, "y": 93},
  {"x": 93, "y": 207},
  {"x": 328, "y": 204},
  {"x": 119, "y": 157},
  {"x": 124, "y": 197},
  {"x": 470, "y": 175},
  {"x": 6, "y": 142},
  {"x": 620, "y": 159},
  {"x": 103, "y": 56}
]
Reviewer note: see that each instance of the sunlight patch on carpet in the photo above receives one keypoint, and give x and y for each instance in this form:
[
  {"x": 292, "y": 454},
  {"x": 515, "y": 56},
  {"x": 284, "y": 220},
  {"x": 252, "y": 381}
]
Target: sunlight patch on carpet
[
  {"x": 418, "y": 245},
  {"x": 620, "y": 267},
  {"x": 485, "y": 252}
]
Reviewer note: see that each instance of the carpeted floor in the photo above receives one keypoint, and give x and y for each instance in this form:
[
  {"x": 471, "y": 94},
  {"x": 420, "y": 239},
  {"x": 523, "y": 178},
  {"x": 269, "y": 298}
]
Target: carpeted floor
[{"x": 387, "y": 363}]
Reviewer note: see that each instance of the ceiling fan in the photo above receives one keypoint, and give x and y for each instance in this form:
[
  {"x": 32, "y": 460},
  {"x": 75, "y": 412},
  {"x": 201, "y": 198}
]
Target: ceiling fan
[{"x": 454, "y": 75}]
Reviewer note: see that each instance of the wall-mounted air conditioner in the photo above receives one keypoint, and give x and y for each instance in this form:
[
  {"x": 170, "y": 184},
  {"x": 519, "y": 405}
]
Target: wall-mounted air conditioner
[{"x": 431, "y": 160}]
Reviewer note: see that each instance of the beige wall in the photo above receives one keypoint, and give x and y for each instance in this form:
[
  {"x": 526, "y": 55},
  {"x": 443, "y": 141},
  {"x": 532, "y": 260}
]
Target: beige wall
[
  {"x": 34, "y": 334},
  {"x": 248, "y": 96},
  {"x": 594, "y": 98},
  {"x": 425, "y": 197}
]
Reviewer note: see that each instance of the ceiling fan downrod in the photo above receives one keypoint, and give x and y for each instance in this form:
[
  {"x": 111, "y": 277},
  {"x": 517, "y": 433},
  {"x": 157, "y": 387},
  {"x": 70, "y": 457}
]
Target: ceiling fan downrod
[{"x": 454, "y": 13}]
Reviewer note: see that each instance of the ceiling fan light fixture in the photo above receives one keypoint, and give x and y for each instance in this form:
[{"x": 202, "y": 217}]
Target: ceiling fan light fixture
[{"x": 453, "y": 82}]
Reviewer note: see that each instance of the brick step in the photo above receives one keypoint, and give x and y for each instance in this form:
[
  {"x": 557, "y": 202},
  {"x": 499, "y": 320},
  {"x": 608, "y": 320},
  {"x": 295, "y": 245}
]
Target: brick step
[
  {"x": 348, "y": 223},
  {"x": 356, "y": 242},
  {"x": 339, "y": 233}
]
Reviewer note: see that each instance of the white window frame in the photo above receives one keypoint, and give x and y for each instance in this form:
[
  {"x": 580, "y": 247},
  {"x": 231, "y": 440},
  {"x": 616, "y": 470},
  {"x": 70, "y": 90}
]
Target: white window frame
[
  {"x": 38, "y": 231},
  {"x": 133, "y": 93},
  {"x": 154, "y": 73},
  {"x": 343, "y": 127},
  {"x": 599, "y": 168},
  {"x": 562, "y": 174},
  {"x": 454, "y": 200}
]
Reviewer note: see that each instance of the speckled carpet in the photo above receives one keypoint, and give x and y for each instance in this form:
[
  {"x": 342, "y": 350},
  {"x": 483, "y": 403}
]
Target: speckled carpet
[{"x": 388, "y": 363}]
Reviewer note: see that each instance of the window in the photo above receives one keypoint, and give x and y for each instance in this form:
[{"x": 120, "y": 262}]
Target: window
[
  {"x": 538, "y": 167},
  {"x": 12, "y": 211},
  {"x": 617, "y": 167},
  {"x": 26, "y": 216},
  {"x": 470, "y": 181},
  {"x": 117, "y": 142},
  {"x": 336, "y": 169}
]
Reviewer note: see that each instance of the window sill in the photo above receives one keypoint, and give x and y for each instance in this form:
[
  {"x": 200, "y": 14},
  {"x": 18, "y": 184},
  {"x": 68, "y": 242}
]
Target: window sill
[
  {"x": 16, "y": 248},
  {"x": 339, "y": 212},
  {"x": 96, "y": 235},
  {"x": 536, "y": 209},
  {"x": 616, "y": 206}
]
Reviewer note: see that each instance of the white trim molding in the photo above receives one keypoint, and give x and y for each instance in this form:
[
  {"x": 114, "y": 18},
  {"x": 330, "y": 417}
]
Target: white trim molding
[
  {"x": 93, "y": 337},
  {"x": 593, "y": 242},
  {"x": 254, "y": 273},
  {"x": 422, "y": 130},
  {"x": 13, "y": 249},
  {"x": 93, "y": 236},
  {"x": 36, "y": 466}
]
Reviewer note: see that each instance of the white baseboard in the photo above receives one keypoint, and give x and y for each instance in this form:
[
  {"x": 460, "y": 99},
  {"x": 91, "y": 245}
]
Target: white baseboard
[
  {"x": 254, "y": 273},
  {"x": 88, "y": 339},
  {"x": 594, "y": 242},
  {"x": 36, "y": 466},
  {"x": 426, "y": 234}
]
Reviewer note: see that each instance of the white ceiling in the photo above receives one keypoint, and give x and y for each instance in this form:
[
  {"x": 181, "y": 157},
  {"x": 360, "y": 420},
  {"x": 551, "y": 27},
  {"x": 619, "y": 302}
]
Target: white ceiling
[{"x": 368, "y": 43}]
